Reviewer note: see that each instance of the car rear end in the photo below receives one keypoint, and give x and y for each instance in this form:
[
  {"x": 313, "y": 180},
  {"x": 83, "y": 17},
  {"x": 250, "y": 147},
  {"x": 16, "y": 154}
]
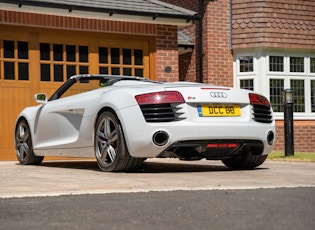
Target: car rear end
[{"x": 194, "y": 121}]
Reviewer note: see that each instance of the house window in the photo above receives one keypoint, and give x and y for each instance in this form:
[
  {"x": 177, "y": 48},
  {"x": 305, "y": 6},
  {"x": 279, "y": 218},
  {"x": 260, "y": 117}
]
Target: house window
[
  {"x": 59, "y": 61},
  {"x": 276, "y": 87},
  {"x": 276, "y": 64},
  {"x": 121, "y": 61},
  {"x": 299, "y": 87},
  {"x": 298, "y": 95},
  {"x": 246, "y": 64},
  {"x": 313, "y": 96},
  {"x": 15, "y": 60},
  {"x": 295, "y": 76},
  {"x": 296, "y": 64},
  {"x": 247, "y": 84},
  {"x": 279, "y": 71},
  {"x": 312, "y": 65}
]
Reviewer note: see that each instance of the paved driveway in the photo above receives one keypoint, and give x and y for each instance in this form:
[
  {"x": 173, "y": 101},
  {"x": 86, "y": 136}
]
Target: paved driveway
[{"x": 84, "y": 177}]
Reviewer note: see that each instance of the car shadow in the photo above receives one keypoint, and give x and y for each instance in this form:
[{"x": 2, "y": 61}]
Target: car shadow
[
  {"x": 87, "y": 165},
  {"x": 158, "y": 167},
  {"x": 147, "y": 167}
]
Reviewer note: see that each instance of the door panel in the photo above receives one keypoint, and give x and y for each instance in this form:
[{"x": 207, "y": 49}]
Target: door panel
[{"x": 58, "y": 123}]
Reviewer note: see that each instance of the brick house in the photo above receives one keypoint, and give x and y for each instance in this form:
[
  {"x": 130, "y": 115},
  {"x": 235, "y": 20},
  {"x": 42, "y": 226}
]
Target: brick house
[
  {"x": 261, "y": 45},
  {"x": 281, "y": 41},
  {"x": 266, "y": 46}
]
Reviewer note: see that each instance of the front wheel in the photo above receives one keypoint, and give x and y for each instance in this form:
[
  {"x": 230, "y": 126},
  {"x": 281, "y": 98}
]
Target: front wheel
[
  {"x": 244, "y": 161},
  {"x": 24, "y": 145},
  {"x": 110, "y": 147}
]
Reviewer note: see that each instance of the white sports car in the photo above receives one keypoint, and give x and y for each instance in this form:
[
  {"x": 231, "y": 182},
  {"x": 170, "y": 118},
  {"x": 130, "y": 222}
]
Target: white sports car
[{"x": 123, "y": 120}]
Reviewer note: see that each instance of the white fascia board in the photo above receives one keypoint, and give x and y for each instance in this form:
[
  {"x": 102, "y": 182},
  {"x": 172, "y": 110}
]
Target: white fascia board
[{"x": 95, "y": 15}]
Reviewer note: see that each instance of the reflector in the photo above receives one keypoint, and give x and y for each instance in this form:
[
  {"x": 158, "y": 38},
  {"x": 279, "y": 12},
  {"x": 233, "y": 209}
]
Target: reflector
[{"x": 222, "y": 145}]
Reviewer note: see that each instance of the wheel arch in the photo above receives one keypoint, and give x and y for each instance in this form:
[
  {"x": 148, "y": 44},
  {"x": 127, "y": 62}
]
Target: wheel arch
[
  {"x": 27, "y": 156},
  {"x": 104, "y": 109},
  {"x": 109, "y": 109},
  {"x": 19, "y": 119},
  {"x": 124, "y": 161}
]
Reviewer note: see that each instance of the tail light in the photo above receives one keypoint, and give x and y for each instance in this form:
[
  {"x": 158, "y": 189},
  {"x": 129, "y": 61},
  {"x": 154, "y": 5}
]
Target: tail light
[
  {"x": 256, "y": 99},
  {"x": 160, "y": 98}
]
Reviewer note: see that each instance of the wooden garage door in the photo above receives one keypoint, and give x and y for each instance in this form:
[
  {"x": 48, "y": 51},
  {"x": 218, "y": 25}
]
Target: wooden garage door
[{"x": 40, "y": 61}]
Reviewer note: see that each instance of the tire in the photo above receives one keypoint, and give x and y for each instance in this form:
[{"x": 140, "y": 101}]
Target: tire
[
  {"x": 24, "y": 145},
  {"x": 244, "y": 161},
  {"x": 111, "y": 152}
]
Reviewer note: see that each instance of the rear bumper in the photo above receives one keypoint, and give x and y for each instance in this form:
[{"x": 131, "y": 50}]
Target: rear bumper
[
  {"x": 213, "y": 149},
  {"x": 139, "y": 134}
]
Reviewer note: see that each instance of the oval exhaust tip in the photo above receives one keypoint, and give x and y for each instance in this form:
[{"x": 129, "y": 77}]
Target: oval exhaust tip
[
  {"x": 160, "y": 138},
  {"x": 270, "y": 137}
]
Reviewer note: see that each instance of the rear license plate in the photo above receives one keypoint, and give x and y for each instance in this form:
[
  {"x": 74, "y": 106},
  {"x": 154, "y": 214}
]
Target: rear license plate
[{"x": 219, "y": 110}]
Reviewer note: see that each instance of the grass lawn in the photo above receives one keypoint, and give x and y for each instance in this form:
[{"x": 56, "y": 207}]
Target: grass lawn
[{"x": 298, "y": 156}]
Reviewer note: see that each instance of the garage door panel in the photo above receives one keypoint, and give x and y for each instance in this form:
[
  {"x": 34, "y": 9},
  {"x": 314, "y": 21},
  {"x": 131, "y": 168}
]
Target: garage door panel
[{"x": 12, "y": 101}]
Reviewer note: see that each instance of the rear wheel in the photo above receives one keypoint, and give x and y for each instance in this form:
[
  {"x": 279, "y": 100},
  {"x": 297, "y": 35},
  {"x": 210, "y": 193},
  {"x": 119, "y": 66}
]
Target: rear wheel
[
  {"x": 244, "y": 161},
  {"x": 110, "y": 147},
  {"x": 24, "y": 145}
]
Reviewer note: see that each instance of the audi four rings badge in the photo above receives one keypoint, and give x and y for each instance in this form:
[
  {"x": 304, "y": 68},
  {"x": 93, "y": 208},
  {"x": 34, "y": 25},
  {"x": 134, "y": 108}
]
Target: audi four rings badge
[{"x": 218, "y": 95}]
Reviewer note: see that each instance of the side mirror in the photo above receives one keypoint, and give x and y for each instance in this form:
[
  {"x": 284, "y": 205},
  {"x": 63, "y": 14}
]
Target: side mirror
[{"x": 41, "y": 98}]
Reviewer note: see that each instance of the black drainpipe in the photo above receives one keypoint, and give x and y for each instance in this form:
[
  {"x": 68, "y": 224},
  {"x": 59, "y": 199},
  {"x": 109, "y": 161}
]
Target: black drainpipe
[{"x": 200, "y": 42}]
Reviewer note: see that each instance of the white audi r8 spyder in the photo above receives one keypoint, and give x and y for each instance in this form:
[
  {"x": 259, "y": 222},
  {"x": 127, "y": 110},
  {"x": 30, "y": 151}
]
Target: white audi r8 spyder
[{"x": 123, "y": 120}]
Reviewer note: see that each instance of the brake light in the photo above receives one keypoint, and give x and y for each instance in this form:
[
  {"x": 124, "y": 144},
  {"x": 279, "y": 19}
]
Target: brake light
[
  {"x": 258, "y": 99},
  {"x": 222, "y": 145},
  {"x": 160, "y": 98},
  {"x": 211, "y": 88}
]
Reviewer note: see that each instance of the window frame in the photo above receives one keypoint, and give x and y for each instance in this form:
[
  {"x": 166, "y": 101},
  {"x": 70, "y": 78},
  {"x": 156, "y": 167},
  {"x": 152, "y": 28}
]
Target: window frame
[
  {"x": 311, "y": 57},
  {"x": 16, "y": 60},
  {"x": 262, "y": 76},
  {"x": 304, "y": 64},
  {"x": 247, "y": 79},
  {"x": 287, "y": 76},
  {"x": 63, "y": 62},
  {"x": 238, "y": 63},
  {"x": 245, "y": 75},
  {"x": 268, "y": 64},
  {"x": 121, "y": 66}
]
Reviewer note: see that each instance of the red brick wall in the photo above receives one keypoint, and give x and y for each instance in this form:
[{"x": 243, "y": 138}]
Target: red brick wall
[
  {"x": 217, "y": 56},
  {"x": 166, "y": 53},
  {"x": 273, "y": 23},
  {"x": 189, "y": 63},
  {"x": 187, "y": 67},
  {"x": 304, "y": 133}
]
